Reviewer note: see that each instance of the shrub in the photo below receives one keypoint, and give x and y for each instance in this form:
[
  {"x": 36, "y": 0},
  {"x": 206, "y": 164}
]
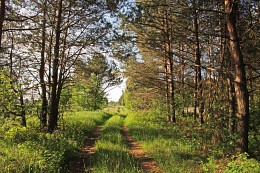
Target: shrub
[
  {"x": 243, "y": 165},
  {"x": 210, "y": 166}
]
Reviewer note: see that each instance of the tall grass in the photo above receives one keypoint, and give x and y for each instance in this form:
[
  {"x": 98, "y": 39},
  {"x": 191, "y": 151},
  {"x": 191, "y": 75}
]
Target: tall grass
[
  {"x": 29, "y": 150},
  {"x": 112, "y": 155}
]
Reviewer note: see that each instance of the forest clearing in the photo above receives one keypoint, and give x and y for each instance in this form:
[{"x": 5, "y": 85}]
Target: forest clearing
[{"x": 129, "y": 86}]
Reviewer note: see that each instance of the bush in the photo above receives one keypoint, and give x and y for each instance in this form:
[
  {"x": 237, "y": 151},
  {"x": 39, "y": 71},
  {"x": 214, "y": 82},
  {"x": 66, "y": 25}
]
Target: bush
[
  {"x": 243, "y": 165},
  {"x": 240, "y": 164},
  {"x": 210, "y": 166}
]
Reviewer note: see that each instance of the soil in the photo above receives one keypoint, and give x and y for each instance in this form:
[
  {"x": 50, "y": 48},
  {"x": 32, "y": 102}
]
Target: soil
[
  {"x": 82, "y": 163},
  {"x": 148, "y": 164}
]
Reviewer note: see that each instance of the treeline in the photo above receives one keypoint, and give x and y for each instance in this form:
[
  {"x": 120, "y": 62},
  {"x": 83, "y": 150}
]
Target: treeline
[
  {"x": 197, "y": 59},
  {"x": 53, "y": 56}
]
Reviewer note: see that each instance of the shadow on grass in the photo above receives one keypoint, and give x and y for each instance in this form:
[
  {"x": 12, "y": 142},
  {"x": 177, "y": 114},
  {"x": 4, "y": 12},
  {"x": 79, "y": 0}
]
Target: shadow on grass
[
  {"x": 189, "y": 156},
  {"x": 168, "y": 139}
]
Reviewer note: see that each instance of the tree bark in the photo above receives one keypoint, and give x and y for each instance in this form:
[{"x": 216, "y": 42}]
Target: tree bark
[
  {"x": 2, "y": 18},
  {"x": 43, "y": 114},
  {"x": 241, "y": 91},
  {"x": 198, "y": 93},
  {"x": 232, "y": 106},
  {"x": 169, "y": 55},
  {"x": 22, "y": 113},
  {"x": 166, "y": 71},
  {"x": 166, "y": 77},
  {"x": 54, "y": 104}
]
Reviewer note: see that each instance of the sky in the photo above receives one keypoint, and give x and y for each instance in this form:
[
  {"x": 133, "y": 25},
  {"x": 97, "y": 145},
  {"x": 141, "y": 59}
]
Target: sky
[{"x": 116, "y": 92}]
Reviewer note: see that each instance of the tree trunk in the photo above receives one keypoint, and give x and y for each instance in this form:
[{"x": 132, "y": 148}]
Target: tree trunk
[
  {"x": 54, "y": 104},
  {"x": 195, "y": 95},
  {"x": 166, "y": 73},
  {"x": 240, "y": 78},
  {"x": 2, "y": 18},
  {"x": 172, "y": 89},
  {"x": 232, "y": 106},
  {"x": 22, "y": 113},
  {"x": 43, "y": 114},
  {"x": 167, "y": 88},
  {"x": 198, "y": 100},
  {"x": 169, "y": 55}
]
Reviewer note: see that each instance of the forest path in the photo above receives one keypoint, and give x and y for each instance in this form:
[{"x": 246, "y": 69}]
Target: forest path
[
  {"x": 82, "y": 163},
  {"x": 148, "y": 164}
]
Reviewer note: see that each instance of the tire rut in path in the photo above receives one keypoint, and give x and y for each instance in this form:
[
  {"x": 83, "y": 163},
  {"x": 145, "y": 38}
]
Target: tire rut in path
[
  {"x": 147, "y": 163},
  {"x": 82, "y": 163}
]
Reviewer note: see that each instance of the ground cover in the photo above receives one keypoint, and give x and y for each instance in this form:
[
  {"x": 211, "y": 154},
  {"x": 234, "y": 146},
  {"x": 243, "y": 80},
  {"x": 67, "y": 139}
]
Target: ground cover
[
  {"x": 164, "y": 142},
  {"x": 112, "y": 152},
  {"x": 147, "y": 163},
  {"x": 184, "y": 147},
  {"x": 30, "y": 150}
]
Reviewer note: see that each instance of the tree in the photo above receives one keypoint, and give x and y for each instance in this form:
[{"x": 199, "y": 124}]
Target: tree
[
  {"x": 211, "y": 42},
  {"x": 7, "y": 95},
  {"x": 43, "y": 113},
  {"x": 2, "y": 18},
  {"x": 231, "y": 8},
  {"x": 198, "y": 100},
  {"x": 92, "y": 80},
  {"x": 54, "y": 100},
  {"x": 79, "y": 26}
]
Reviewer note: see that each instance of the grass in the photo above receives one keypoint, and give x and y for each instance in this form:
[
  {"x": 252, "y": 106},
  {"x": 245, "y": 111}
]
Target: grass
[
  {"x": 29, "y": 150},
  {"x": 112, "y": 155},
  {"x": 164, "y": 142},
  {"x": 176, "y": 147},
  {"x": 185, "y": 146}
]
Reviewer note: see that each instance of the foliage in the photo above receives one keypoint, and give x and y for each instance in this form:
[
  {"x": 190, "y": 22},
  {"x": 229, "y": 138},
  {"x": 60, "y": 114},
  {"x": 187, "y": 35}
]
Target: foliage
[
  {"x": 65, "y": 98},
  {"x": 210, "y": 166},
  {"x": 254, "y": 134},
  {"x": 242, "y": 165},
  {"x": 88, "y": 95},
  {"x": 91, "y": 81},
  {"x": 143, "y": 84},
  {"x": 238, "y": 164},
  {"x": 8, "y": 98}
]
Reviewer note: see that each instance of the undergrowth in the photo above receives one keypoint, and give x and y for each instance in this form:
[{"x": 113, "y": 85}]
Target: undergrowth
[{"x": 29, "y": 150}]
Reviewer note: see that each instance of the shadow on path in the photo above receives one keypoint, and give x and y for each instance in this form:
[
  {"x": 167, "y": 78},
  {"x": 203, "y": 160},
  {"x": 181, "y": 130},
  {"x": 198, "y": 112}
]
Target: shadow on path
[
  {"x": 147, "y": 163},
  {"x": 82, "y": 163}
]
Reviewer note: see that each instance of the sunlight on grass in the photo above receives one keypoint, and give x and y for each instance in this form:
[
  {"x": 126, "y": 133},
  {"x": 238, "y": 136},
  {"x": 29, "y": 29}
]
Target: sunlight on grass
[
  {"x": 112, "y": 155},
  {"x": 29, "y": 150},
  {"x": 163, "y": 142}
]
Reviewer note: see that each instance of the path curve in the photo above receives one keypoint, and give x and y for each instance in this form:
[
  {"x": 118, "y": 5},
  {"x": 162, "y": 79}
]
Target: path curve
[
  {"x": 82, "y": 163},
  {"x": 147, "y": 163}
]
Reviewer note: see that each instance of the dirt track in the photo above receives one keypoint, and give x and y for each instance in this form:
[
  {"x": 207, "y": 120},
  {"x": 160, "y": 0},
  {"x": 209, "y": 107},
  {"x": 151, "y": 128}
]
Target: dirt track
[{"x": 147, "y": 163}]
